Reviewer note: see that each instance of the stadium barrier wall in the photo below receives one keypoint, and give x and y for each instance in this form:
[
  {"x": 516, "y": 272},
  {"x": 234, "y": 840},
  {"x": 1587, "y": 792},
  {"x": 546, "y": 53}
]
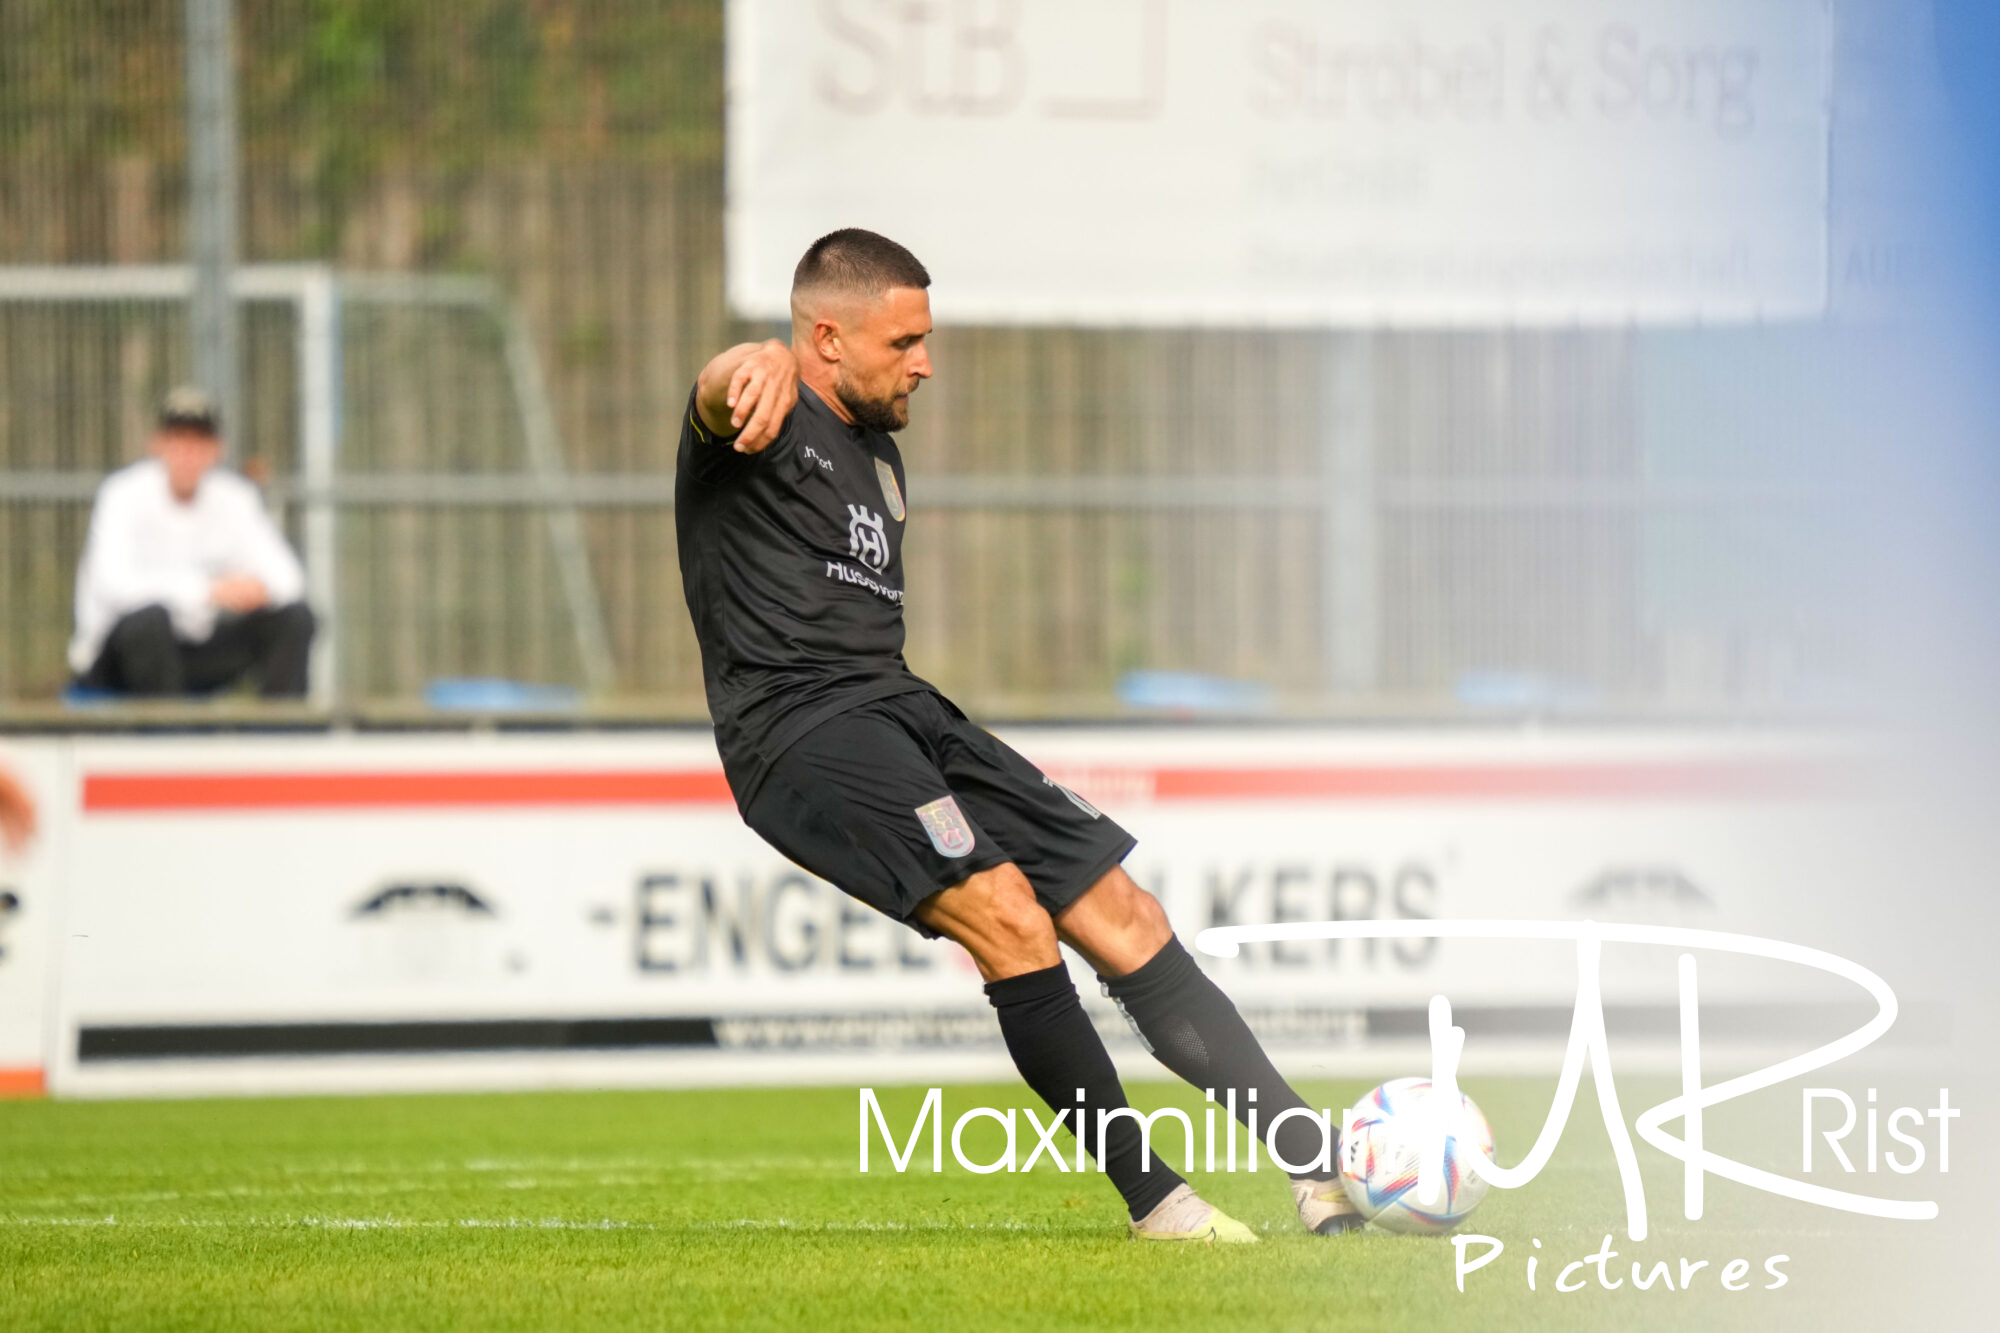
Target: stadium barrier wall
[{"x": 350, "y": 913}]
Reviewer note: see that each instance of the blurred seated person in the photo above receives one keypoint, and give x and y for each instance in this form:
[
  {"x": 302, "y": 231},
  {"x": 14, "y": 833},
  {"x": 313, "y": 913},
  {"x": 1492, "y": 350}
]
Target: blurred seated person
[{"x": 186, "y": 585}]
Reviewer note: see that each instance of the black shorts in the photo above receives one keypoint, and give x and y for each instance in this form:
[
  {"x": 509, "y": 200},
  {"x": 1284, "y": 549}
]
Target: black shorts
[{"x": 897, "y": 799}]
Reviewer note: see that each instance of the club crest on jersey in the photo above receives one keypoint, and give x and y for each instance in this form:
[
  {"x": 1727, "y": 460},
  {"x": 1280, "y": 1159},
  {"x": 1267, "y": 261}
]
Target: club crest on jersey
[
  {"x": 949, "y": 832},
  {"x": 866, "y": 541},
  {"x": 892, "y": 494}
]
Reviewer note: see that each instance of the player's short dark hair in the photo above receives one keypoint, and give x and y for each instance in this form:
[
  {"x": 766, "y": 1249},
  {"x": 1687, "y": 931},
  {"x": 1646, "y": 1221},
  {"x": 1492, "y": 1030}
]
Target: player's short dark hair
[{"x": 862, "y": 262}]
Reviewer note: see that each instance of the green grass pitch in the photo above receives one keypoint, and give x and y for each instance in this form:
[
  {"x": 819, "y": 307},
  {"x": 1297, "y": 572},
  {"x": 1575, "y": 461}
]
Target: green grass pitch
[{"x": 744, "y": 1209}]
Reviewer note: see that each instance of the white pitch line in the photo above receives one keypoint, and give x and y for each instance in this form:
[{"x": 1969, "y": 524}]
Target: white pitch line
[
  {"x": 338, "y": 1223},
  {"x": 354, "y": 1180},
  {"x": 558, "y": 1165},
  {"x": 509, "y": 1224},
  {"x": 786, "y": 1224}
]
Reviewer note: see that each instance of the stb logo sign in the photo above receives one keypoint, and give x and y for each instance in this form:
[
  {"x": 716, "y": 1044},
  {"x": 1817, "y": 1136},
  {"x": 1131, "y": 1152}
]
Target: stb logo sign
[{"x": 866, "y": 541}]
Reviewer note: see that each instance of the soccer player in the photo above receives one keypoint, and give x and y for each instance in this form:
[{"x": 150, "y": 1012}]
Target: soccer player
[{"x": 789, "y": 498}]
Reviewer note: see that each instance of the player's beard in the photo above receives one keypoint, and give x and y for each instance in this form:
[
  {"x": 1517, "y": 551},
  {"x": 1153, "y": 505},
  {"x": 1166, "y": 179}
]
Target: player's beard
[{"x": 887, "y": 415}]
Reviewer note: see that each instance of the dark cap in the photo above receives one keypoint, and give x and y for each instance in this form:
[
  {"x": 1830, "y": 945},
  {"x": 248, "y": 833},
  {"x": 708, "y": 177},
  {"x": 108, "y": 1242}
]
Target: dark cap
[{"x": 190, "y": 409}]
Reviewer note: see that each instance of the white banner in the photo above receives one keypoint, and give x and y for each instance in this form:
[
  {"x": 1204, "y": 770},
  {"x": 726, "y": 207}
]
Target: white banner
[
  {"x": 278, "y": 913},
  {"x": 1292, "y": 161}
]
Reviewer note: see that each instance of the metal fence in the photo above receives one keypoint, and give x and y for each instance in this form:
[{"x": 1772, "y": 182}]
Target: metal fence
[{"x": 1382, "y": 523}]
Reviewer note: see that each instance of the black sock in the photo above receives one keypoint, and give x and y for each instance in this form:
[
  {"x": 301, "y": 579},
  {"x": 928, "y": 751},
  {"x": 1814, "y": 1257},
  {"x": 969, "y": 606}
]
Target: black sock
[
  {"x": 1058, "y": 1051},
  {"x": 1192, "y": 1028}
]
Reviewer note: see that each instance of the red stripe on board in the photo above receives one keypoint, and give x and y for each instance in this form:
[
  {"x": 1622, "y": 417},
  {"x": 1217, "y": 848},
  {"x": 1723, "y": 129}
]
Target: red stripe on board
[
  {"x": 1489, "y": 781},
  {"x": 21, "y": 1083},
  {"x": 325, "y": 791},
  {"x": 333, "y": 791}
]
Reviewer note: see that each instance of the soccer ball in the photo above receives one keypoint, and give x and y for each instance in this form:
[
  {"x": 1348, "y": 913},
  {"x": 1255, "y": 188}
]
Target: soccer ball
[{"x": 1380, "y": 1141}]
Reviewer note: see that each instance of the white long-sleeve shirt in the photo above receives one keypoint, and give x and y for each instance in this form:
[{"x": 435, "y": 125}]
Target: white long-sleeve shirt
[{"x": 145, "y": 548}]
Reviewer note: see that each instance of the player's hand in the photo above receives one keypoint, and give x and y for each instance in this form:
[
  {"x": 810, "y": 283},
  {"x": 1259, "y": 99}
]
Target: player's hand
[
  {"x": 240, "y": 593},
  {"x": 762, "y": 393}
]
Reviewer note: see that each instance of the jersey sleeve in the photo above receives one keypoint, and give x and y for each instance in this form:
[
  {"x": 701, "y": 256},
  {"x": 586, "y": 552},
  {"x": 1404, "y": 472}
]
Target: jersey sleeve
[{"x": 708, "y": 457}]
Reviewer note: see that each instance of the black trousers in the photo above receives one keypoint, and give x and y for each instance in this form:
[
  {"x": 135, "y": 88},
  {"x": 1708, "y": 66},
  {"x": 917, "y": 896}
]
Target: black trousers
[{"x": 141, "y": 656}]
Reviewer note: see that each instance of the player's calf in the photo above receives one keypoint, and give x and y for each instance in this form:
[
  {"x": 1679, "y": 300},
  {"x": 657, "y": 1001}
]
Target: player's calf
[
  {"x": 1062, "y": 1058},
  {"x": 994, "y": 915},
  {"x": 1193, "y": 1029}
]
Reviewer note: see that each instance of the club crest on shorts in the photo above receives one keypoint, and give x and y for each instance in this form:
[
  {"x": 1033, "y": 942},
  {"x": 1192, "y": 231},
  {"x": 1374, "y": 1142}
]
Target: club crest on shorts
[
  {"x": 892, "y": 494},
  {"x": 949, "y": 832}
]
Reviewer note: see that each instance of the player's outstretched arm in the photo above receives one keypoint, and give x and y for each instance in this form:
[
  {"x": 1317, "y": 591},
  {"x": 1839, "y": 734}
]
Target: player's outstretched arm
[{"x": 748, "y": 391}]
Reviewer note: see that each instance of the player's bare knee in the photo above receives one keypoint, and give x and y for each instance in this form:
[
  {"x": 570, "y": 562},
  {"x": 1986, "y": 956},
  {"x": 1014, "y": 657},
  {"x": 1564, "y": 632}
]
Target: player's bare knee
[
  {"x": 996, "y": 917},
  {"x": 1005, "y": 901},
  {"x": 1144, "y": 914},
  {"x": 1116, "y": 925},
  {"x": 1014, "y": 916},
  {"x": 1117, "y": 904}
]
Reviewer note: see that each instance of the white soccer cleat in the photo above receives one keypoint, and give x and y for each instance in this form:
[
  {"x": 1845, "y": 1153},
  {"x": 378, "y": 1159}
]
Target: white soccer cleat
[
  {"x": 1324, "y": 1207},
  {"x": 1184, "y": 1216}
]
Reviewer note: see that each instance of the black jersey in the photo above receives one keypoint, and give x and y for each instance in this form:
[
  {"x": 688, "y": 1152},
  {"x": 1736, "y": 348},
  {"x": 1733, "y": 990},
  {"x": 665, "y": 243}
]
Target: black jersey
[{"x": 791, "y": 560}]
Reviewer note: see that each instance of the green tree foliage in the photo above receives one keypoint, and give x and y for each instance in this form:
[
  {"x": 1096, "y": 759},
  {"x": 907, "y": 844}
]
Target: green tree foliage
[{"x": 342, "y": 86}]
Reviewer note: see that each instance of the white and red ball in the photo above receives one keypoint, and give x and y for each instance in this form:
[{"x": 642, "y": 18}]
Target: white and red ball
[{"x": 1382, "y": 1138}]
